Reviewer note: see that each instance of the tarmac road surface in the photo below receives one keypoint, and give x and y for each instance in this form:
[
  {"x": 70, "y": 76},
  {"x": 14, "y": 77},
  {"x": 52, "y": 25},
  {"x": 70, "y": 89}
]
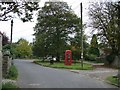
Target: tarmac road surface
[{"x": 35, "y": 76}]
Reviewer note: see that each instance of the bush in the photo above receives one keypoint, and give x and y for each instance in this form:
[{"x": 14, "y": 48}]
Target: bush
[
  {"x": 13, "y": 73},
  {"x": 90, "y": 57},
  {"x": 9, "y": 86},
  {"x": 110, "y": 58},
  {"x": 94, "y": 51}
]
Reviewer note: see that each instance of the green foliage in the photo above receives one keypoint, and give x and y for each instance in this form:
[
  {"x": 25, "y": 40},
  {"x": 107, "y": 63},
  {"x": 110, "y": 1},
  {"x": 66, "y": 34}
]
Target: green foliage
[
  {"x": 11, "y": 48},
  {"x": 93, "y": 50},
  {"x": 94, "y": 42},
  {"x": 75, "y": 44},
  {"x": 7, "y": 48},
  {"x": 13, "y": 73},
  {"x": 23, "y": 9},
  {"x": 56, "y": 22},
  {"x": 9, "y": 86},
  {"x": 110, "y": 58},
  {"x": 38, "y": 48},
  {"x": 105, "y": 21},
  {"x": 90, "y": 57},
  {"x": 23, "y": 49}
]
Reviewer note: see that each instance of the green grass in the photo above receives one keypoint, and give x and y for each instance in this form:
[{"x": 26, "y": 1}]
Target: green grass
[
  {"x": 9, "y": 86},
  {"x": 0, "y": 86},
  {"x": 13, "y": 73},
  {"x": 112, "y": 80},
  {"x": 74, "y": 66}
]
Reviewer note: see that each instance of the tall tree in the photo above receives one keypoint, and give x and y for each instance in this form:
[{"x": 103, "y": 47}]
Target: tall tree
[
  {"x": 94, "y": 42},
  {"x": 56, "y": 21},
  {"x": 21, "y": 8},
  {"x": 39, "y": 47},
  {"x": 94, "y": 46},
  {"x": 76, "y": 45},
  {"x": 104, "y": 19},
  {"x": 23, "y": 48}
]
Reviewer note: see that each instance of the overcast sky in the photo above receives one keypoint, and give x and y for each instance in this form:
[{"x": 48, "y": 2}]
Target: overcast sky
[{"x": 25, "y": 30}]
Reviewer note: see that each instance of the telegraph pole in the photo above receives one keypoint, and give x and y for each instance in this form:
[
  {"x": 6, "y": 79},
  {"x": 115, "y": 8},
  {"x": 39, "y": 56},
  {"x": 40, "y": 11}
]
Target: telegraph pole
[
  {"x": 11, "y": 37},
  {"x": 0, "y": 61},
  {"x": 11, "y": 31},
  {"x": 81, "y": 36},
  {"x": 118, "y": 7}
]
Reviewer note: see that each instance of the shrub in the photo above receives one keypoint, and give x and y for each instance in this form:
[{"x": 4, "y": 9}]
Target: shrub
[
  {"x": 94, "y": 51},
  {"x": 9, "y": 86},
  {"x": 110, "y": 58},
  {"x": 91, "y": 57},
  {"x": 13, "y": 73}
]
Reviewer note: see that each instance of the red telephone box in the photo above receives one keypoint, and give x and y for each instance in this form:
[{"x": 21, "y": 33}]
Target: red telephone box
[{"x": 68, "y": 57}]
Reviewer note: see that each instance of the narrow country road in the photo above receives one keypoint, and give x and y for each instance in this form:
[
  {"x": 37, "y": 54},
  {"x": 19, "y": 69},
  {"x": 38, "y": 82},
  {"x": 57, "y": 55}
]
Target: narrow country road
[{"x": 36, "y": 76}]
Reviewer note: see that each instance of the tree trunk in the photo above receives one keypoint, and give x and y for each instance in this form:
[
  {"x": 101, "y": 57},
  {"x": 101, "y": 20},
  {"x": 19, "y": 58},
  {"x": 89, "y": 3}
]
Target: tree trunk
[{"x": 58, "y": 57}]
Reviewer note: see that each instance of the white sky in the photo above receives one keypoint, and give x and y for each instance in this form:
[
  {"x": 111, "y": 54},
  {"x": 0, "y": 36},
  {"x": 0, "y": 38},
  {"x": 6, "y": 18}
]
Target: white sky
[{"x": 25, "y": 30}]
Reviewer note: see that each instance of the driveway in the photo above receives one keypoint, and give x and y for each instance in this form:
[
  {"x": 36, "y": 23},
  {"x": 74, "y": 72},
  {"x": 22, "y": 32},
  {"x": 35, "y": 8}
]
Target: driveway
[{"x": 35, "y": 76}]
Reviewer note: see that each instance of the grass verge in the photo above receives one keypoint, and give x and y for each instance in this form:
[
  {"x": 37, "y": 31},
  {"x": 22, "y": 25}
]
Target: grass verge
[
  {"x": 9, "y": 86},
  {"x": 0, "y": 86},
  {"x": 74, "y": 66},
  {"x": 113, "y": 80},
  {"x": 13, "y": 73}
]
